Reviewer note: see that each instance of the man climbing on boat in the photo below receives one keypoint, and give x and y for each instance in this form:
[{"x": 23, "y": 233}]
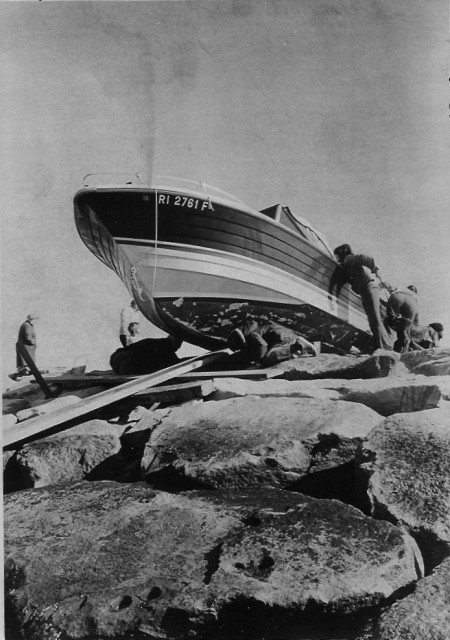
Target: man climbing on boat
[
  {"x": 362, "y": 274},
  {"x": 269, "y": 343}
]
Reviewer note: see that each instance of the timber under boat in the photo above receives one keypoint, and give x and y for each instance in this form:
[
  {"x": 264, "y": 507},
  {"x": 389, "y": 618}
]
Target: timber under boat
[{"x": 198, "y": 261}]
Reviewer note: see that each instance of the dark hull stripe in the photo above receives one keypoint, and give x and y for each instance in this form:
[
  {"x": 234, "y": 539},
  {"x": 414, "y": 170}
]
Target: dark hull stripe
[{"x": 223, "y": 229}]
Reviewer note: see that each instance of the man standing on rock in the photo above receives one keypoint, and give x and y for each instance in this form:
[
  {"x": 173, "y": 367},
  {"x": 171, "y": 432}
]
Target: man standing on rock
[
  {"x": 362, "y": 274},
  {"x": 270, "y": 343},
  {"x": 127, "y": 316},
  {"x": 27, "y": 340}
]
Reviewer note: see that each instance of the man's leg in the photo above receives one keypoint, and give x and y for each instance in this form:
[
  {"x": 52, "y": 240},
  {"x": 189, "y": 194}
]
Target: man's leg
[
  {"x": 123, "y": 339},
  {"x": 276, "y": 354},
  {"x": 257, "y": 347},
  {"x": 403, "y": 328},
  {"x": 370, "y": 298}
]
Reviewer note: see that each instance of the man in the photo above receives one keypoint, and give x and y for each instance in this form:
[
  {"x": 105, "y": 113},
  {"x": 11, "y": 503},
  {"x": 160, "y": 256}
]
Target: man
[
  {"x": 362, "y": 274},
  {"x": 269, "y": 343},
  {"x": 27, "y": 339},
  {"x": 426, "y": 337},
  {"x": 127, "y": 315},
  {"x": 133, "y": 333},
  {"x": 146, "y": 356},
  {"x": 401, "y": 314}
]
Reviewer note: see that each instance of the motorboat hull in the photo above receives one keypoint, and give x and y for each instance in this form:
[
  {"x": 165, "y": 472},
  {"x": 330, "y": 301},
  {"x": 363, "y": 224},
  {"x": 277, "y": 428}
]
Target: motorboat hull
[{"x": 197, "y": 266}]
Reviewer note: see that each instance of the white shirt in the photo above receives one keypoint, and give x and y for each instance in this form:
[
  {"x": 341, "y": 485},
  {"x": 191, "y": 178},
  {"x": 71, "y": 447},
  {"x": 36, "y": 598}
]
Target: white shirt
[{"x": 128, "y": 315}]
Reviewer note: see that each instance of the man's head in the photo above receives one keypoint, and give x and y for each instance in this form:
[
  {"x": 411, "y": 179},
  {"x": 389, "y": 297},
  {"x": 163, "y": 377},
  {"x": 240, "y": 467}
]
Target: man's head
[
  {"x": 133, "y": 304},
  {"x": 439, "y": 328},
  {"x": 133, "y": 328},
  {"x": 250, "y": 325},
  {"x": 32, "y": 317},
  {"x": 412, "y": 288},
  {"x": 342, "y": 252}
]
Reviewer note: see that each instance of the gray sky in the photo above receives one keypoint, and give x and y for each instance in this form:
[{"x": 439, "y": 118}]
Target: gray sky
[{"x": 337, "y": 108}]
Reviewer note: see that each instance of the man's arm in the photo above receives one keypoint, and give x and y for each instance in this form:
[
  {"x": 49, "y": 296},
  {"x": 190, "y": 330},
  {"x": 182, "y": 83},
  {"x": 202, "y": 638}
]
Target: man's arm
[
  {"x": 367, "y": 261},
  {"x": 337, "y": 280}
]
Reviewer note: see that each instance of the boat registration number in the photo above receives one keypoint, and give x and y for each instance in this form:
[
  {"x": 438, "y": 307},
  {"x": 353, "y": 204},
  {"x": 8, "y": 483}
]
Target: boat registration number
[{"x": 197, "y": 204}]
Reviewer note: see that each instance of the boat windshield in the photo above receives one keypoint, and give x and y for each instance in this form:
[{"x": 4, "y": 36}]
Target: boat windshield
[{"x": 303, "y": 227}]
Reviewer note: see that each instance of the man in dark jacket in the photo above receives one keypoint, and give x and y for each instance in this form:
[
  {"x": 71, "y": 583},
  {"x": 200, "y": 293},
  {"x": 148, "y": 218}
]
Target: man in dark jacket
[
  {"x": 146, "y": 356},
  {"x": 27, "y": 339},
  {"x": 268, "y": 343},
  {"x": 362, "y": 274}
]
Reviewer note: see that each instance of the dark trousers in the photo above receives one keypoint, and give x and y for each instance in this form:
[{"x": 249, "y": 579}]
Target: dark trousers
[
  {"x": 370, "y": 297},
  {"x": 401, "y": 312}
]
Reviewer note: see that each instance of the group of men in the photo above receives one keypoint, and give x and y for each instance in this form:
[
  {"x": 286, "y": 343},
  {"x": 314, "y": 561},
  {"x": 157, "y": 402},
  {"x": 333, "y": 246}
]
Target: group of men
[
  {"x": 402, "y": 318},
  {"x": 265, "y": 344}
]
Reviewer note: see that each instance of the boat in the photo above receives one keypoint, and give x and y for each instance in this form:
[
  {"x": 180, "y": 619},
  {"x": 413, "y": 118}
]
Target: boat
[{"x": 198, "y": 261}]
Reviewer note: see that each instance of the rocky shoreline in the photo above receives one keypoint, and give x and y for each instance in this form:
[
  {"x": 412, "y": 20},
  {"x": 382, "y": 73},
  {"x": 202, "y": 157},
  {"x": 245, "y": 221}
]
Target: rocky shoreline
[{"x": 314, "y": 504}]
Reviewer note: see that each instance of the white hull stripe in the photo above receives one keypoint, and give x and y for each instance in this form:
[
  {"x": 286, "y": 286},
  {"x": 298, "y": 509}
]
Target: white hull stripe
[{"x": 207, "y": 273}]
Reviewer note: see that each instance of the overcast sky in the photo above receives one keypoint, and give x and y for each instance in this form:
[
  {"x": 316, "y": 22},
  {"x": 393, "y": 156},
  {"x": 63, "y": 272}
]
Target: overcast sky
[{"x": 337, "y": 108}]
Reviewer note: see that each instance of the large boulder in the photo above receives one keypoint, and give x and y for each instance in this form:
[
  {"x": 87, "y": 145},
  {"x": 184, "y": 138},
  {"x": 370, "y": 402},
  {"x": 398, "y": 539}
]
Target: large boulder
[
  {"x": 401, "y": 395},
  {"x": 405, "y": 463},
  {"x": 70, "y": 455},
  {"x": 429, "y": 362},
  {"x": 119, "y": 561},
  {"x": 423, "y": 615},
  {"x": 252, "y": 441}
]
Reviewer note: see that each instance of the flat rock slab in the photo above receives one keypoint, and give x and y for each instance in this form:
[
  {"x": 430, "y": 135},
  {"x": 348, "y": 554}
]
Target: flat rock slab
[
  {"x": 127, "y": 561},
  {"x": 14, "y": 405},
  {"x": 379, "y": 365},
  {"x": 64, "y": 457},
  {"x": 384, "y": 395},
  {"x": 252, "y": 441},
  {"x": 406, "y": 464},
  {"x": 423, "y": 615}
]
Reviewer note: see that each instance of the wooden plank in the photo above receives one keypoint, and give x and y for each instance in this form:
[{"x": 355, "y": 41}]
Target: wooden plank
[
  {"x": 41, "y": 424},
  {"x": 73, "y": 381},
  {"x": 175, "y": 392}
]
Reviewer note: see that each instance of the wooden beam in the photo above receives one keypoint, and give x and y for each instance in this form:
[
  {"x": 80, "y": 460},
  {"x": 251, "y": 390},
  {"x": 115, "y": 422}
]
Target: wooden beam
[
  {"x": 34, "y": 370},
  {"x": 29, "y": 428},
  {"x": 248, "y": 374}
]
